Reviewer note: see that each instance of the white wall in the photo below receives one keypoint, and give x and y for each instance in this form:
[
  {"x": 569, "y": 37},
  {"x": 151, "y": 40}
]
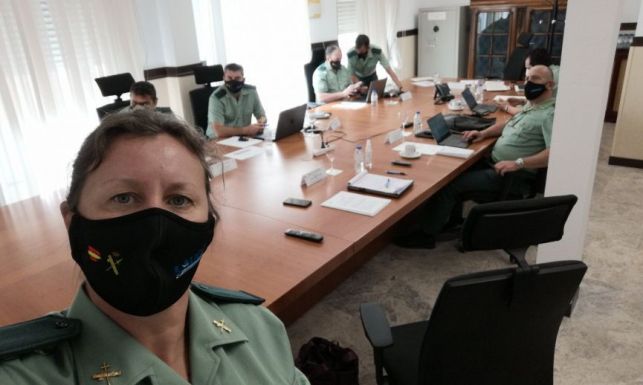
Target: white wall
[
  {"x": 580, "y": 109},
  {"x": 639, "y": 26},
  {"x": 630, "y": 11},
  {"x": 324, "y": 28}
]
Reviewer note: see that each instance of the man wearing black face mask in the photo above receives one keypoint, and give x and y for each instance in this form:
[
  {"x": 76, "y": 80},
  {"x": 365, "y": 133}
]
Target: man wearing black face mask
[
  {"x": 363, "y": 59},
  {"x": 232, "y": 106},
  {"x": 331, "y": 80},
  {"x": 522, "y": 146}
]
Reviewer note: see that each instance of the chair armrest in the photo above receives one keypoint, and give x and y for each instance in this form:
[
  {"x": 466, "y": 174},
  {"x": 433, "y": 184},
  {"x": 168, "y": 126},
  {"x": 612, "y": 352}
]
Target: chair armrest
[{"x": 376, "y": 326}]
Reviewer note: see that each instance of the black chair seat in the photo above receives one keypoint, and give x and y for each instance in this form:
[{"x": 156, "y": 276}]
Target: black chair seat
[{"x": 401, "y": 359}]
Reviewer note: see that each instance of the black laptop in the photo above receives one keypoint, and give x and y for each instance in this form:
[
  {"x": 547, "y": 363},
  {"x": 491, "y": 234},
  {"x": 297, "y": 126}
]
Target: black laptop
[
  {"x": 290, "y": 122},
  {"x": 443, "y": 135},
  {"x": 378, "y": 86},
  {"x": 480, "y": 109}
]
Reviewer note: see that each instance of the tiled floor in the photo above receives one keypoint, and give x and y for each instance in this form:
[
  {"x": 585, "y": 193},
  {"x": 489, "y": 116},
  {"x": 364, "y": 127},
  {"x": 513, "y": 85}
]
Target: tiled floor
[{"x": 601, "y": 344}]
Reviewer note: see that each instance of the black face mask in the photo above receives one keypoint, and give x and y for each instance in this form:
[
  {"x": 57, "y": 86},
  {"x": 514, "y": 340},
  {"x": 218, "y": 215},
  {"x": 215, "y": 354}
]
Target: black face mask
[
  {"x": 234, "y": 85},
  {"x": 336, "y": 64},
  {"x": 533, "y": 90},
  {"x": 139, "y": 263}
]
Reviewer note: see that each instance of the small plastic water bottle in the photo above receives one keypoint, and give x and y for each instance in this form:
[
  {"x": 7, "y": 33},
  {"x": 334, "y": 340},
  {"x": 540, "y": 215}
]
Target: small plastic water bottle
[
  {"x": 359, "y": 159},
  {"x": 368, "y": 154},
  {"x": 374, "y": 98},
  {"x": 417, "y": 123},
  {"x": 480, "y": 91}
]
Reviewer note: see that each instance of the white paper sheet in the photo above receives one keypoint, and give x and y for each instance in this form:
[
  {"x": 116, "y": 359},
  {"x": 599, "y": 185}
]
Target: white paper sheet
[
  {"x": 356, "y": 203},
  {"x": 495, "y": 85},
  {"x": 245, "y": 153},
  {"x": 456, "y": 86},
  {"x": 349, "y": 105},
  {"x": 422, "y": 148},
  {"x": 424, "y": 83},
  {"x": 234, "y": 141}
]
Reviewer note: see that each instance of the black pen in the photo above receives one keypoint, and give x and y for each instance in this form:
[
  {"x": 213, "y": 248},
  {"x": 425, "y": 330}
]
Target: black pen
[{"x": 395, "y": 172}]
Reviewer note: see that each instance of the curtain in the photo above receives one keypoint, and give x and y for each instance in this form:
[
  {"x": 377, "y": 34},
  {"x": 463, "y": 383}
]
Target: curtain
[
  {"x": 51, "y": 52},
  {"x": 378, "y": 20},
  {"x": 271, "y": 40}
]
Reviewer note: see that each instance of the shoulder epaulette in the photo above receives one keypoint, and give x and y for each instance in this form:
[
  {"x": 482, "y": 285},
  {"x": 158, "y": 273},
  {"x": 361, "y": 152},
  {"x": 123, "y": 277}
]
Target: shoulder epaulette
[
  {"x": 322, "y": 67},
  {"x": 376, "y": 50},
  {"x": 351, "y": 54},
  {"x": 36, "y": 334},
  {"x": 249, "y": 87},
  {"x": 220, "y": 295},
  {"x": 220, "y": 93}
]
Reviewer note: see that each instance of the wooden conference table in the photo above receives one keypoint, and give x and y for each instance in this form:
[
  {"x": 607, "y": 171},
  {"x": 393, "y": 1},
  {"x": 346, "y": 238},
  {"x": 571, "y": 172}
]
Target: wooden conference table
[{"x": 250, "y": 251}]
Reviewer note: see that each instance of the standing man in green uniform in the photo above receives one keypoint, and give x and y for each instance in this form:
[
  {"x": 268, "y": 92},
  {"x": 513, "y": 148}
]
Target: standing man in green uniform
[
  {"x": 231, "y": 107},
  {"x": 363, "y": 59},
  {"x": 331, "y": 80},
  {"x": 522, "y": 147}
]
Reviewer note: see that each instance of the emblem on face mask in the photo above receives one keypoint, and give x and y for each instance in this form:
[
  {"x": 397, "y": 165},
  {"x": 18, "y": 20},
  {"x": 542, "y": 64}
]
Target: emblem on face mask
[
  {"x": 94, "y": 255},
  {"x": 186, "y": 265},
  {"x": 114, "y": 260}
]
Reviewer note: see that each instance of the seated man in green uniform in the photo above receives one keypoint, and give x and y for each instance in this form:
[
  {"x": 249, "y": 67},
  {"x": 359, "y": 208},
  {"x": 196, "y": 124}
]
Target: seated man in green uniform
[
  {"x": 143, "y": 95},
  {"x": 331, "y": 80},
  {"x": 522, "y": 147},
  {"x": 231, "y": 107},
  {"x": 363, "y": 59},
  {"x": 139, "y": 220}
]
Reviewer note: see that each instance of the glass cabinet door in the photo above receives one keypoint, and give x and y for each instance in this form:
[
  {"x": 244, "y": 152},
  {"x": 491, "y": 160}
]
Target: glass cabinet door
[
  {"x": 491, "y": 43},
  {"x": 539, "y": 20}
]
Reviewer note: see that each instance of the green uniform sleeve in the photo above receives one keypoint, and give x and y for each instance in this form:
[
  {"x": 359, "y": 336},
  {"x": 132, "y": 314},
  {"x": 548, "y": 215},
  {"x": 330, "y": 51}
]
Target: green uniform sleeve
[
  {"x": 548, "y": 123},
  {"x": 319, "y": 82},
  {"x": 215, "y": 114},
  {"x": 383, "y": 60},
  {"x": 258, "y": 108}
]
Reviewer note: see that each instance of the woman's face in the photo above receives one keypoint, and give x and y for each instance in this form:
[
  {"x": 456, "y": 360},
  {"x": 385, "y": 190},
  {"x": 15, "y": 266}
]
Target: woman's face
[{"x": 138, "y": 173}]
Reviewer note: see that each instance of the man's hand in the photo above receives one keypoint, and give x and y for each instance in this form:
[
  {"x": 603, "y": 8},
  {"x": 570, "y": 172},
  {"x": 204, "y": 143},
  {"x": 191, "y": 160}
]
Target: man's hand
[
  {"x": 473, "y": 136},
  {"x": 515, "y": 101},
  {"x": 506, "y": 166},
  {"x": 253, "y": 129},
  {"x": 350, "y": 90}
]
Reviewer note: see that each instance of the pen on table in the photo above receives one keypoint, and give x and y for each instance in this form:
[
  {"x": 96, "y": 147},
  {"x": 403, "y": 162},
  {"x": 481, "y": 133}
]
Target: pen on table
[
  {"x": 388, "y": 182},
  {"x": 395, "y": 172}
]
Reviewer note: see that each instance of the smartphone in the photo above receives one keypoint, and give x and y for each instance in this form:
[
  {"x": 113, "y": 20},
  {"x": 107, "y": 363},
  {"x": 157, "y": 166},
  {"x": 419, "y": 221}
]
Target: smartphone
[
  {"x": 401, "y": 163},
  {"x": 297, "y": 202}
]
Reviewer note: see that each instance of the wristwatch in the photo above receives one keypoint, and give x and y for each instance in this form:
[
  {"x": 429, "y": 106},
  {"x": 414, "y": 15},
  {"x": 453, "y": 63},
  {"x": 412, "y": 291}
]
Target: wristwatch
[{"x": 520, "y": 162}]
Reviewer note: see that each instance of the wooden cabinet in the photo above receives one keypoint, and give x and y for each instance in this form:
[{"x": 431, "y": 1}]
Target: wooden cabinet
[{"x": 495, "y": 26}]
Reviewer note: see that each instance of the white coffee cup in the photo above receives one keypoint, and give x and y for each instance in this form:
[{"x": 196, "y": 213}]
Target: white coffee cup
[{"x": 409, "y": 149}]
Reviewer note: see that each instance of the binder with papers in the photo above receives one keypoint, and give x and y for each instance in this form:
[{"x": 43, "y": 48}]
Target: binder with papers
[{"x": 379, "y": 184}]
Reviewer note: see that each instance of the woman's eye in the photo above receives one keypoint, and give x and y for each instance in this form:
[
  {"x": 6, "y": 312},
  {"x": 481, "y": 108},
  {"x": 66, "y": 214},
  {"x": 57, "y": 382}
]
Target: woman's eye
[
  {"x": 179, "y": 201},
  {"x": 122, "y": 198}
]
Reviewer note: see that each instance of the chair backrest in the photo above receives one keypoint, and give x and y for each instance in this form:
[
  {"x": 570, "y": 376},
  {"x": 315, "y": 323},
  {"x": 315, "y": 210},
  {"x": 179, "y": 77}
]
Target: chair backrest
[
  {"x": 516, "y": 224},
  {"x": 208, "y": 74},
  {"x": 115, "y": 85},
  {"x": 318, "y": 57},
  {"x": 498, "y": 327},
  {"x": 515, "y": 67},
  {"x": 199, "y": 100},
  {"x": 110, "y": 108}
]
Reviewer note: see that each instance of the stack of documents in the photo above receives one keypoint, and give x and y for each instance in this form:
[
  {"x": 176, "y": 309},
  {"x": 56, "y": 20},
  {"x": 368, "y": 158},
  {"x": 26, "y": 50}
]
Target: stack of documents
[
  {"x": 234, "y": 141},
  {"x": 379, "y": 184},
  {"x": 356, "y": 203},
  {"x": 422, "y": 148},
  {"x": 455, "y": 152}
]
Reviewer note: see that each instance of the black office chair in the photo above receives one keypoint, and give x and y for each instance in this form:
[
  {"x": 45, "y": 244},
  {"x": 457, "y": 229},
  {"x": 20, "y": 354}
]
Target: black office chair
[
  {"x": 515, "y": 67},
  {"x": 318, "y": 57},
  {"x": 114, "y": 85},
  {"x": 534, "y": 186},
  {"x": 200, "y": 97},
  {"x": 496, "y": 327}
]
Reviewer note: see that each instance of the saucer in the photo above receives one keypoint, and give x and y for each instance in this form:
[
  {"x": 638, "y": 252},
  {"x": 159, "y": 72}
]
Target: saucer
[{"x": 411, "y": 156}]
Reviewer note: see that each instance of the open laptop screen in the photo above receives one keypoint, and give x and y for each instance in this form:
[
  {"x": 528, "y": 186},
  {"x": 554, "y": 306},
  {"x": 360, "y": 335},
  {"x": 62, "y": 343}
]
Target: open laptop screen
[
  {"x": 469, "y": 98},
  {"x": 439, "y": 128}
]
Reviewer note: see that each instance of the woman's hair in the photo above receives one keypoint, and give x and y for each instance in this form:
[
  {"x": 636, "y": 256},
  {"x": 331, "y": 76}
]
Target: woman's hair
[{"x": 139, "y": 123}]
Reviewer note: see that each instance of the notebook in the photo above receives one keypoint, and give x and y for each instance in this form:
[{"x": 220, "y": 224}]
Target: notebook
[
  {"x": 356, "y": 203},
  {"x": 379, "y": 184}
]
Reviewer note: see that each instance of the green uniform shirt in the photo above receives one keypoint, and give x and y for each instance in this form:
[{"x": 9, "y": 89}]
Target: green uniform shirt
[
  {"x": 328, "y": 80},
  {"x": 255, "y": 351},
  {"x": 526, "y": 133},
  {"x": 225, "y": 109},
  {"x": 366, "y": 67}
]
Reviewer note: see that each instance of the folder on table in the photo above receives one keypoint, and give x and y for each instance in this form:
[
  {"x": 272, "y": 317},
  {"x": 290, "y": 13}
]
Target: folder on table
[{"x": 379, "y": 184}]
